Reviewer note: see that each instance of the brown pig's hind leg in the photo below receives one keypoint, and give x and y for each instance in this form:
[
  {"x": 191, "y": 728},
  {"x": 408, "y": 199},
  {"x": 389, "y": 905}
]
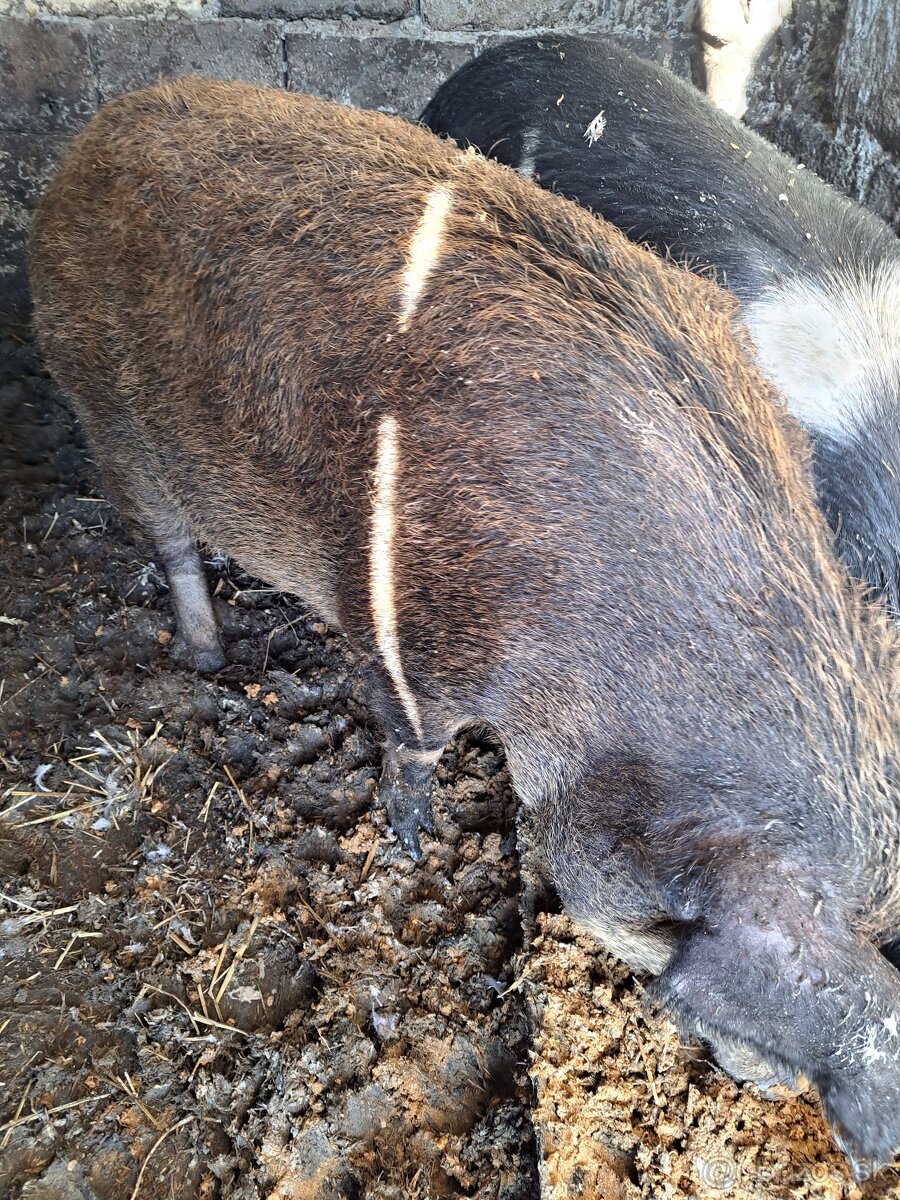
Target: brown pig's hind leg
[
  {"x": 197, "y": 634},
  {"x": 141, "y": 498}
]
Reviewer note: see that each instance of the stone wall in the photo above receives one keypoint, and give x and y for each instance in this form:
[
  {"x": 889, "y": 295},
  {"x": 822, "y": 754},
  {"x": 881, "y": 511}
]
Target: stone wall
[
  {"x": 828, "y": 92},
  {"x": 60, "y": 59}
]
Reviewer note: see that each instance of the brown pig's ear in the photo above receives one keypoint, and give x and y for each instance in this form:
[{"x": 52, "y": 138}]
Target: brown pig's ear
[{"x": 808, "y": 1000}]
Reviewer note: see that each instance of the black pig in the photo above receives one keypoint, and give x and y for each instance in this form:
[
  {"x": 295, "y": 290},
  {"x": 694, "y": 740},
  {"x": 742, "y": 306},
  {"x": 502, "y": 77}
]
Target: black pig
[
  {"x": 817, "y": 277},
  {"x": 531, "y": 472}
]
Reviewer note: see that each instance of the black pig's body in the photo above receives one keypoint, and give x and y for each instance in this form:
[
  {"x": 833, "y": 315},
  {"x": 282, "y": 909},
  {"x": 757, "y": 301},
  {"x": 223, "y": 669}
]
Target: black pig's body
[
  {"x": 817, "y": 277},
  {"x": 530, "y": 472}
]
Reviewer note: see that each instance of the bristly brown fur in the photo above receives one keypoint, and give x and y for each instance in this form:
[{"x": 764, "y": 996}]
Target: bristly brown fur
[{"x": 603, "y": 539}]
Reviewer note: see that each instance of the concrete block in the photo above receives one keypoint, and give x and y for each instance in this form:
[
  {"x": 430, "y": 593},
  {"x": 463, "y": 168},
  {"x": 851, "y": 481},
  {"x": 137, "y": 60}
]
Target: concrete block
[
  {"x": 851, "y": 160},
  {"x": 508, "y": 14},
  {"x": 133, "y": 53},
  {"x": 882, "y": 190},
  {"x": 857, "y": 163},
  {"x": 27, "y": 163},
  {"x": 655, "y": 29},
  {"x": 867, "y": 72},
  {"x": 158, "y": 9},
  {"x": 381, "y": 10},
  {"x": 395, "y": 75},
  {"x": 671, "y": 48},
  {"x": 46, "y": 79}
]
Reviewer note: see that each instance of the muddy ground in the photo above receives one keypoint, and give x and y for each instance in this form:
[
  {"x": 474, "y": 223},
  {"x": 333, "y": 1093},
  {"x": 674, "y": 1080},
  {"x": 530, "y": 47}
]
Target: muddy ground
[{"x": 220, "y": 976}]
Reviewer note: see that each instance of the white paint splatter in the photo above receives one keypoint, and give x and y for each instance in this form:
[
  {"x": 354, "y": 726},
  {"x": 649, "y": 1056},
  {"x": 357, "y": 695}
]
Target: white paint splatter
[
  {"x": 870, "y": 1050},
  {"x": 382, "y": 544},
  {"x": 424, "y": 248},
  {"x": 595, "y": 130}
]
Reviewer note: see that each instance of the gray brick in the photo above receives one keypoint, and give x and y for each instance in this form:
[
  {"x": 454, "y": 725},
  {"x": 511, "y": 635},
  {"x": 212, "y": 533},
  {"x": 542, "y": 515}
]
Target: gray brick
[
  {"x": 27, "y": 162},
  {"x": 854, "y": 161},
  {"x": 882, "y": 190},
  {"x": 655, "y": 28},
  {"x": 507, "y": 14},
  {"x": 384, "y": 10},
  {"x": 849, "y": 159},
  {"x": 672, "y": 51},
  {"x": 133, "y": 53},
  {"x": 396, "y": 75},
  {"x": 867, "y": 72},
  {"x": 46, "y": 81}
]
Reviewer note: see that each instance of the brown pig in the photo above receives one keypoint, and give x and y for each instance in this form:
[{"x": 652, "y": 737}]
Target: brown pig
[{"x": 529, "y": 470}]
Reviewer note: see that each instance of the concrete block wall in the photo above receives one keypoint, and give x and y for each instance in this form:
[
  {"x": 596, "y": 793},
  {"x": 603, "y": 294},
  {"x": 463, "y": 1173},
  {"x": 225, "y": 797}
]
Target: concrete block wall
[
  {"x": 829, "y": 94},
  {"x": 61, "y": 59}
]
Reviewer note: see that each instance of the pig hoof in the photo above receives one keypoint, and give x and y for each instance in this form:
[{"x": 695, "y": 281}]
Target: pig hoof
[
  {"x": 862, "y": 1168},
  {"x": 206, "y": 659},
  {"x": 777, "y": 1087},
  {"x": 744, "y": 1064},
  {"x": 408, "y": 811},
  {"x": 208, "y": 662}
]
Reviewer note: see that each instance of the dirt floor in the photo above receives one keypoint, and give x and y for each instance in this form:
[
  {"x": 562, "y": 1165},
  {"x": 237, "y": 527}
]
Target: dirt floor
[{"x": 220, "y": 976}]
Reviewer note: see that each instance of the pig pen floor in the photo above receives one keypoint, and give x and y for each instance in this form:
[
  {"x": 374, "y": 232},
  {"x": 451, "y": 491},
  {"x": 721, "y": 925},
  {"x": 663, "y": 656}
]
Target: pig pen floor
[{"x": 220, "y": 977}]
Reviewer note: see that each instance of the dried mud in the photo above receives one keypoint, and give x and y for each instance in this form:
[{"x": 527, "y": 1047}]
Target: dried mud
[{"x": 220, "y": 977}]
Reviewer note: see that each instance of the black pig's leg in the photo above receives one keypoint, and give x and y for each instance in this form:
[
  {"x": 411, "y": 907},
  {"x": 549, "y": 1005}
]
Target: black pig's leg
[{"x": 744, "y": 1064}]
